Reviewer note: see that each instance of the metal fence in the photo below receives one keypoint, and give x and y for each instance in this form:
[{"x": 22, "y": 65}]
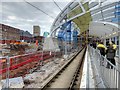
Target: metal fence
[{"x": 110, "y": 76}]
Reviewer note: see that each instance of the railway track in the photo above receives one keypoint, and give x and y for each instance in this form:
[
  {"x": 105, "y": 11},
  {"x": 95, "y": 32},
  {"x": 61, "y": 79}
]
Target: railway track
[{"x": 68, "y": 76}]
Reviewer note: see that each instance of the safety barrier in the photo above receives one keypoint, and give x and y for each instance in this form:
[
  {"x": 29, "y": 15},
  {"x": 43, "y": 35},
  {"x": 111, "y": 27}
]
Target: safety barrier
[
  {"x": 21, "y": 60},
  {"x": 110, "y": 76}
]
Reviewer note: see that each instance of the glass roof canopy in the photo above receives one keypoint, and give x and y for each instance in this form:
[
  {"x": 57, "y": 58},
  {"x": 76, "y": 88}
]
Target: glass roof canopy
[{"x": 87, "y": 14}]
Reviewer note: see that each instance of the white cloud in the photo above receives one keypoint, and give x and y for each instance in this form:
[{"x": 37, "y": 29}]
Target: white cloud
[
  {"x": 23, "y": 16},
  {"x": 37, "y": 0},
  {"x": 11, "y": 17},
  {"x": 29, "y": 20}
]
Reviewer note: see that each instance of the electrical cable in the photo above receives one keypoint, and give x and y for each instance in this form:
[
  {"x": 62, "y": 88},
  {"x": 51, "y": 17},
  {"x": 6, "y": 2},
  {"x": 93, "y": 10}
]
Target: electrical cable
[
  {"x": 57, "y": 5},
  {"x": 39, "y": 9}
]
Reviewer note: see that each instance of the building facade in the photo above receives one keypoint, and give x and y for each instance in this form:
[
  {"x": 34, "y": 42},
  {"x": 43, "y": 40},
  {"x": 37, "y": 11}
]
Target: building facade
[
  {"x": 36, "y": 31},
  {"x": 8, "y": 33},
  {"x": 26, "y": 36}
]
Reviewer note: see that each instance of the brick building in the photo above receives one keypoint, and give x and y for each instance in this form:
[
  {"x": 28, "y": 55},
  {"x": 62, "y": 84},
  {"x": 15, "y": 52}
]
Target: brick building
[
  {"x": 39, "y": 38},
  {"x": 36, "y": 31},
  {"x": 26, "y": 36},
  {"x": 8, "y": 34}
]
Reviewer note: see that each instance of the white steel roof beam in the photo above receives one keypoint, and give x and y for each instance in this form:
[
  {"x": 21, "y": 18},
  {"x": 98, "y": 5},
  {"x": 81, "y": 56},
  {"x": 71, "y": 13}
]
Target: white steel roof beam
[
  {"x": 83, "y": 9},
  {"x": 58, "y": 25}
]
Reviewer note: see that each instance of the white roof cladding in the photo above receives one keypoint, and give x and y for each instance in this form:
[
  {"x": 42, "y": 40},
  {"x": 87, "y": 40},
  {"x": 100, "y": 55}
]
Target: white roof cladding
[
  {"x": 102, "y": 11},
  {"x": 104, "y": 29}
]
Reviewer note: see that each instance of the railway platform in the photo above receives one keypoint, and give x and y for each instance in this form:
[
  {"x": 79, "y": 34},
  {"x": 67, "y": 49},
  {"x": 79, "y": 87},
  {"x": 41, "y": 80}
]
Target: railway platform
[{"x": 97, "y": 75}]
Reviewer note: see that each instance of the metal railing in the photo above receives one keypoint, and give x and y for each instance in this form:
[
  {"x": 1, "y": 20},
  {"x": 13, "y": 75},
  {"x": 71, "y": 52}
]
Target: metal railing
[{"x": 110, "y": 76}]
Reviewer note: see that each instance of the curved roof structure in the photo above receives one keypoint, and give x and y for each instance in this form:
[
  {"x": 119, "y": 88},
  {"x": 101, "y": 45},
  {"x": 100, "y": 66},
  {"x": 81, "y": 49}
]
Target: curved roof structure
[
  {"x": 104, "y": 29},
  {"x": 88, "y": 14}
]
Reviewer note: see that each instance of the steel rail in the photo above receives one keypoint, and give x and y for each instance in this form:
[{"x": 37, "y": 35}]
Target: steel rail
[{"x": 62, "y": 69}]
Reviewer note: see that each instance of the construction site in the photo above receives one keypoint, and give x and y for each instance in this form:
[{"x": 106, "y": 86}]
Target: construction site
[{"x": 45, "y": 50}]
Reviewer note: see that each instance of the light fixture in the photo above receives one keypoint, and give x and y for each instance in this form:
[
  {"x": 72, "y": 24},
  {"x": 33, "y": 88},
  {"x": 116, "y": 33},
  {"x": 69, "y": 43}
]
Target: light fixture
[
  {"x": 104, "y": 23},
  {"x": 109, "y": 34},
  {"x": 114, "y": 33}
]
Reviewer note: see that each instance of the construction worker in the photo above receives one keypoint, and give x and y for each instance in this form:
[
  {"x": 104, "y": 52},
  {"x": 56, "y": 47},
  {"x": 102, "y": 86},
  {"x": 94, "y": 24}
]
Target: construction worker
[
  {"x": 94, "y": 44},
  {"x": 102, "y": 49},
  {"x": 110, "y": 54},
  {"x": 114, "y": 45}
]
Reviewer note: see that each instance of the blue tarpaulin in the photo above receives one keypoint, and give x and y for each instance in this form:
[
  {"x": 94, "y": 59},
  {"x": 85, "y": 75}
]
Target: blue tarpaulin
[{"x": 65, "y": 32}]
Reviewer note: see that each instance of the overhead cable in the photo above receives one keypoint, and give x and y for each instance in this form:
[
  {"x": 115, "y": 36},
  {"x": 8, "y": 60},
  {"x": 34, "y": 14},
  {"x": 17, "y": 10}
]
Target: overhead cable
[
  {"x": 39, "y": 9},
  {"x": 57, "y": 5}
]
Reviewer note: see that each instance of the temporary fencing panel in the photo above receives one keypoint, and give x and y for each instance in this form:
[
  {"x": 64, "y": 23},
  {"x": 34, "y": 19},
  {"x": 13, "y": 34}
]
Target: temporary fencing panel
[{"x": 22, "y": 60}]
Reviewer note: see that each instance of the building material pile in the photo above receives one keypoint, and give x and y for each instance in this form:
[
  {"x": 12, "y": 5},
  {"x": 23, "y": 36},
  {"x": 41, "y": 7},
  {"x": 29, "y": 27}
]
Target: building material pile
[{"x": 13, "y": 83}]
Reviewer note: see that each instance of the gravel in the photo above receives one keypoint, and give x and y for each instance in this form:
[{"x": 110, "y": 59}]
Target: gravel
[{"x": 45, "y": 71}]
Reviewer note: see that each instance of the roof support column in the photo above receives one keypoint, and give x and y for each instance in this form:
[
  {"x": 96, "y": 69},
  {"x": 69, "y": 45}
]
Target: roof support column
[
  {"x": 119, "y": 43},
  {"x": 119, "y": 60},
  {"x": 105, "y": 42},
  {"x": 54, "y": 34}
]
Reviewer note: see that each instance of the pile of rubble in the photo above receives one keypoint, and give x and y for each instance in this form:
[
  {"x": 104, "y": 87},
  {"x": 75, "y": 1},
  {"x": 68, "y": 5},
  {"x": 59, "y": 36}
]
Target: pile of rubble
[{"x": 37, "y": 78}]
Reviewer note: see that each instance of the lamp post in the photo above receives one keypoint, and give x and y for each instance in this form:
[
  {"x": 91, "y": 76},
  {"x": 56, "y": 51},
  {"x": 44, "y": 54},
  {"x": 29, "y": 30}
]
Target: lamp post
[
  {"x": 65, "y": 37},
  {"x": 5, "y": 35},
  {"x": 7, "y": 74}
]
